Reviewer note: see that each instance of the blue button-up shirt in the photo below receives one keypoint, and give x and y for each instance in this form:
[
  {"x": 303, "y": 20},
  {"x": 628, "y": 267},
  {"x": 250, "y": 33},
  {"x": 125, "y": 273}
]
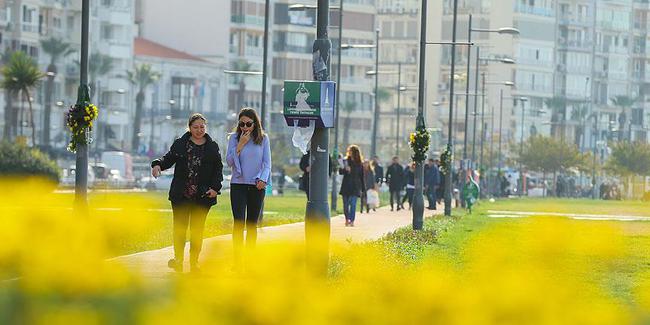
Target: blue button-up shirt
[{"x": 253, "y": 162}]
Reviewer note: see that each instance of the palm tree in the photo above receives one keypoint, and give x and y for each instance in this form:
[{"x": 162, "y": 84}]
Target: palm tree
[
  {"x": 11, "y": 118},
  {"x": 21, "y": 75},
  {"x": 98, "y": 66},
  {"x": 624, "y": 102},
  {"x": 557, "y": 105},
  {"x": 579, "y": 114},
  {"x": 142, "y": 77},
  {"x": 56, "y": 48}
]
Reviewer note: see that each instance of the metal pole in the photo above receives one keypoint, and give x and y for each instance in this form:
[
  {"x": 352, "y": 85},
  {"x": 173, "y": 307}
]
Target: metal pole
[
  {"x": 373, "y": 147},
  {"x": 475, "y": 107},
  {"x": 418, "y": 200},
  {"x": 333, "y": 198},
  {"x": 451, "y": 107},
  {"x": 399, "y": 92},
  {"x": 317, "y": 217},
  {"x": 521, "y": 148},
  {"x": 152, "y": 129},
  {"x": 81, "y": 163},
  {"x": 500, "y": 137},
  {"x": 469, "y": 58},
  {"x": 491, "y": 161},
  {"x": 593, "y": 166},
  {"x": 482, "y": 115},
  {"x": 265, "y": 61}
]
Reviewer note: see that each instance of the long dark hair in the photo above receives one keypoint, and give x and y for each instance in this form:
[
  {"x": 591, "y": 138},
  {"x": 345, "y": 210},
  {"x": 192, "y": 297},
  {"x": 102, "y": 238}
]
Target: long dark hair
[
  {"x": 354, "y": 155},
  {"x": 258, "y": 133}
]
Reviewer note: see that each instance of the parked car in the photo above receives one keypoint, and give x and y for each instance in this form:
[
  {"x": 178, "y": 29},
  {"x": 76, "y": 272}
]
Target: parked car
[{"x": 68, "y": 177}]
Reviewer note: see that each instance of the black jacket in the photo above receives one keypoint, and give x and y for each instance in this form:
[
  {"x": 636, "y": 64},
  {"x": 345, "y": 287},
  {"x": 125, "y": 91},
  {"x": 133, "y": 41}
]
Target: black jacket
[
  {"x": 210, "y": 172},
  {"x": 304, "y": 180},
  {"x": 353, "y": 181},
  {"x": 395, "y": 177}
]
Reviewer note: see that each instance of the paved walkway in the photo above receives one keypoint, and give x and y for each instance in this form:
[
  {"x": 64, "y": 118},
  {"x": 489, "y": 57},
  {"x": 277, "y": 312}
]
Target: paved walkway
[{"x": 218, "y": 250}]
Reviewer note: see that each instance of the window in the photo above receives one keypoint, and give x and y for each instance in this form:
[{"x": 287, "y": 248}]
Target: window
[
  {"x": 107, "y": 32},
  {"x": 107, "y": 3},
  {"x": 182, "y": 93}
]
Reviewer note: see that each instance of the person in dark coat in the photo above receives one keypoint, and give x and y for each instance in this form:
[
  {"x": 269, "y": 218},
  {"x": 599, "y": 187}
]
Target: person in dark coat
[
  {"x": 353, "y": 183},
  {"x": 395, "y": 180},
  {"x": 304, "y": 180},
  {"x": 369, "y": 183},
  {"x": 409, "y": 177},
  {"x": 431, "y": 183},
  {"x": 378, "y": 170},
  {"x": 198, "y": 174},
  {"x": 306, "y": 169}
]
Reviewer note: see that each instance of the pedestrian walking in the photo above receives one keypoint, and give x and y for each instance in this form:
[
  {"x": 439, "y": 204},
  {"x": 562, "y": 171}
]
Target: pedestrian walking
[
  {"x": 249, "y": 157},
  {"x": 378, "y": 170},
  {"x": 431, "y": 183},
  {"x": 198, "y": 174},
  {"x": 409, "y": 177},
  {"x": 353, "y": 183},
  {"x": 395, "y": 180},
  {"x": 304, "y": 180},
  {"x": 369, "y": 184}
]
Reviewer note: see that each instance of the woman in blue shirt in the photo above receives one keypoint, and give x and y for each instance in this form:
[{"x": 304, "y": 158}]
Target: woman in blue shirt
[{"x": 249, "y": 157}]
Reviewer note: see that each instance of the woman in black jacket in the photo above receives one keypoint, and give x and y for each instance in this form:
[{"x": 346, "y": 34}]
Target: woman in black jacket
[
  {"x": 353, "y": 183},
  {"x": 197, "y": 180}
]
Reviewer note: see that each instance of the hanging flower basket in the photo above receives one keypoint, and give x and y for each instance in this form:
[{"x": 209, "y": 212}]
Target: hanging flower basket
[
  {"x": 445, "y": 161},
  {"x": 419, "y": 142},
  {"x": 79, "y": 119}
]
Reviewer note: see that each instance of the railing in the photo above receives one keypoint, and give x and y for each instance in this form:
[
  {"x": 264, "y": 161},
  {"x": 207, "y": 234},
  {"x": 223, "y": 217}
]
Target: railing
[
  {"x": 531, "y": 10},
  {"x": 32, "y": 28},
  {"x": 254, "y": 51},
  {"x": 246, "y": 19}
]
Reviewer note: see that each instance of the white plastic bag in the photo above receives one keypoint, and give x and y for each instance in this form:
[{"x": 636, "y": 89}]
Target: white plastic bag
[
  {"x": 373, "y": 198},
  {"x": 302, "y": 136}
]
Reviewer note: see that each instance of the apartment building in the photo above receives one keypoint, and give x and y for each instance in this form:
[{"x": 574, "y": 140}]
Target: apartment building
[
  {"x": 567, "y": 50},
  {"x": 399, "y": 22}
]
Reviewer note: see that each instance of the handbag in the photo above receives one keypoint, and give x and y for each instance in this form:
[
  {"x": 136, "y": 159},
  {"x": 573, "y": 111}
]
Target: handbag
[{"x": 372, "y": 198}]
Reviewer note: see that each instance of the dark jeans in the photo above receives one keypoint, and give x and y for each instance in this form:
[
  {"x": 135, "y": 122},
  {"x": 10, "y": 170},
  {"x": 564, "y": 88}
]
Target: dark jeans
[
  {"x": 431, "y": 197},
  {"x": 246, "y": 202},
  {"x": 192, "y": 214},
  {"x": 395, "y": 198},
  {"x": 408, "y": 196},
  {"x": 349, "y": 207},
  {"x": 364, "y": 202}
]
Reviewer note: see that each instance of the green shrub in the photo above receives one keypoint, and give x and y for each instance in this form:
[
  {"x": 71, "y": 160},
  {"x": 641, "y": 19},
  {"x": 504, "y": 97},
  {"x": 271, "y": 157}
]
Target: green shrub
[{"x": 20, "y": 160}]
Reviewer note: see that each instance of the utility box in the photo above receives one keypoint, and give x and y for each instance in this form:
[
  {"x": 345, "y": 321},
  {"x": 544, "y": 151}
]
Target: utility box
[{"x": 306, "y": 101}]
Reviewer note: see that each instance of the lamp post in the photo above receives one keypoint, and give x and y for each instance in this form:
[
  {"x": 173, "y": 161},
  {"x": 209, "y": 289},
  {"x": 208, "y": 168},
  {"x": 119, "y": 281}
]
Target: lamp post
[
  {"x": 265, "y": 61},
  {"x": 375, "y": 122},
  {"x": 81, "y": 163},
  {"x": 418, "y": 200},
  {"x": 317, "y": 217},
  {"x": 304, "y": 7},
  {"x": 503, "y": 30},
  {"x": 523, "y": 101}
]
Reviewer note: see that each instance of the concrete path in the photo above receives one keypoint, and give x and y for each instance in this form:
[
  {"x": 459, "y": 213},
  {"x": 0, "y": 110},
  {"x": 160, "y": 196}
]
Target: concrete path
[{"x": 218, "y": 250}]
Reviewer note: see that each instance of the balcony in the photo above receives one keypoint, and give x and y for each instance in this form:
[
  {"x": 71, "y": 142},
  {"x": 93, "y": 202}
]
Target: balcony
[
  {"x": 253, "y": 51},
  {"x": 570, "y": 19},
  {"x": 531, "y": 10},
  {"x": 247, "y": 20},
  {"x": 30, "y": 28}
]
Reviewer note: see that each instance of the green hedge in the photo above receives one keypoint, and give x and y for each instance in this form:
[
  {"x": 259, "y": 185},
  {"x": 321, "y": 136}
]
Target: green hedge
[{"x": 20, "y": 160}]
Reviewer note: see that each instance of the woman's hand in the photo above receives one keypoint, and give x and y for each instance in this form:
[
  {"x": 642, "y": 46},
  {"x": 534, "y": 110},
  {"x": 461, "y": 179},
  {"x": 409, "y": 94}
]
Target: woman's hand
[
  {"x": 260, "y": 184},
  {"x": 348, "y": 169},
  {"x": 243, "y": 140},
  {"x": 211, "y": 193},
  {"x": 155, "y": 171}
]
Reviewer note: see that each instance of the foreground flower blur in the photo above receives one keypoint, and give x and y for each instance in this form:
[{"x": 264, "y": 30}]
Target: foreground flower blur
[{"x": 54, "y": 267}]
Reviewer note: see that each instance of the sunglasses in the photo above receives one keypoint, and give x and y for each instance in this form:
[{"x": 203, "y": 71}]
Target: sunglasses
[{"x": 246, "y": 124}]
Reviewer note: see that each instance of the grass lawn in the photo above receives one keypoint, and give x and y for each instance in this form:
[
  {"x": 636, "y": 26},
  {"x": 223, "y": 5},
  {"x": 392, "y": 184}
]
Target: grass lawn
[
  {"x": 278, "y": 210},
  {"x": 610, "y": 255},
  {"x": 586, "y": 206}
]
